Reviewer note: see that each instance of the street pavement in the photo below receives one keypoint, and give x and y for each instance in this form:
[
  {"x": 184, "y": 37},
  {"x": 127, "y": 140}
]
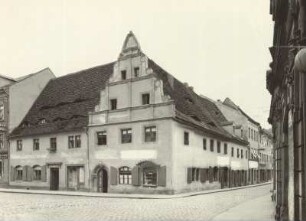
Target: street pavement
[{"x": 34, "y": 207}]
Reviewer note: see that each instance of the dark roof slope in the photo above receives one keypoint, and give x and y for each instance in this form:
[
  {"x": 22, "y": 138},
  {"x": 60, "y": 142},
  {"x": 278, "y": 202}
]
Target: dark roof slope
[{"x": 65, "y": 102}]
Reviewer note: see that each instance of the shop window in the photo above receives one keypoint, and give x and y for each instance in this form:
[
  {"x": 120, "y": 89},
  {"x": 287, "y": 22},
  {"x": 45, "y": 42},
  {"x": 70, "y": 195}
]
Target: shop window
[
  {"x": 225, "y": 148},
  {"x": 19, "y": 145},
  {"x": 76, "y": 176},
  {"x": 218, "y": 146},
  {"x": 150, "y": 134},
  {"x": 145, "y": 99},
  {"x": 126, "y": 135},
  {"x": 1, "y": 141},
  {"x": 36, "y": 173},
  {"x": 204, "y": 144},
  {"x": 19, "y": 172},
  {"x": 125, "y": 175},
  {"x": 35, "y": 144},
  {"x": 113, "y": 104},
  {"x": 212, "y": 145},
  {"x": 123, "y": 75},
  {"x": 186, "y": 138},
  {"x": 136, "y": 71},
  {"x": 102, "y": 138},
  {"x": 149, "y": 177}
]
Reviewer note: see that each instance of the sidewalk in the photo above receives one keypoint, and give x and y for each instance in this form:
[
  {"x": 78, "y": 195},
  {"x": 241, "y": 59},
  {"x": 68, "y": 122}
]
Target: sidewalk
[
  {"x": 118, "y": 195},
  {"x": 258, "y": 209}
]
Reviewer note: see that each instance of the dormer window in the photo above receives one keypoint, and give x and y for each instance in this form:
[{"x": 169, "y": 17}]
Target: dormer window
[
  {"x": 136, "y": 71},
  {"x": 42, "y": 121},
  {"x": 113, "y": 104},
  {"x": 145, "y": 99},
  {"x": 123, "y": 75}
]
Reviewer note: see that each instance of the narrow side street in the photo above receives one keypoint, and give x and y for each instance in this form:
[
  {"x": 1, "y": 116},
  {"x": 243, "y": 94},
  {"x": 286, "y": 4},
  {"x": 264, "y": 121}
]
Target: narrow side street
[{"x": 217, "y": 206}]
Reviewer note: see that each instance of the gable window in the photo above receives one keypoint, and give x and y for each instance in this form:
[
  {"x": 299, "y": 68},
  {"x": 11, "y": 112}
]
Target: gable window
[
  {"x": 125, "y": 175},
  {"x": 35, "y": 144},
  {"x": 225, "y": 148},
  {"x": 1, "y": 141},
  {"x": 37, "y": 173},
  {"x": 1, "y": 111},
  {"x": 204, "y": 144},
  {"x": 19, "y": 145},
  {"x": 211, "y": 145},
  {"x": 237, "y": 152},
  {"x": 102, "y": 138},
  {"x": 145, "y": 99},
  {"x": 19, "y": 172},
  {"x": 150, "y": 134},
  {"x": 241, "y": 154},
  {"x": 113, "y": 104},
  {"x": 232, "y": 154},
  {"x": 53, "y": 143},
  {"x": 186, "y": 138},
  {"x": 126, "y": 135},
  {"x": 149, "y": 177},
  {"x": 218, "y": 146},
  {"x": 136, "y": 71},
  {"x": 123, "y": 75}
]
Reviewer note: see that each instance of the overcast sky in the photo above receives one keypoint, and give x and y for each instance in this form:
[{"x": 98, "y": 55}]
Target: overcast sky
[{"x": 218, "y": 47}]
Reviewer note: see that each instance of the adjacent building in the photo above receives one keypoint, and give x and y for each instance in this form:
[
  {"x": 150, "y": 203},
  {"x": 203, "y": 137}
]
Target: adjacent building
[
  {"x": 16, "y": 98},
  {"x": 286, "y": 84}
]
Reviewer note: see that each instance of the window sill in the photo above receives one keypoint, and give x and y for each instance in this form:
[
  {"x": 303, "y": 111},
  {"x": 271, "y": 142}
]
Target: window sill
[{"x": 150, "y": 186}]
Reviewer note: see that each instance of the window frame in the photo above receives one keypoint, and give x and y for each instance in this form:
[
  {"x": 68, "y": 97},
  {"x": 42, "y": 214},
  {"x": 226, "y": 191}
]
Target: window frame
[
  {"x": 151, "y": 134},
  {"x": 19, "y": 145},
  {"x": 36, "y": 145},
  {"x": 53, "y": 143},
  {"x": 113, "y": 106},
  {"x": 124, "y": 140},
  {"x": 186, "y": 138},
  {"x": 103, "y": 133},
  {"x": 145, "y": 100}
]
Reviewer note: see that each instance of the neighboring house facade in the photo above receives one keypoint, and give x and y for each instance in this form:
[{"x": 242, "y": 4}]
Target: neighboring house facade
[
  {"x": 266, "y": 155},
  {"x": 16, "y": 98},
  {"x": 128, "y": 127},
  {"x": 286, "y": 84},
  {"x": 249, "y": 130}
]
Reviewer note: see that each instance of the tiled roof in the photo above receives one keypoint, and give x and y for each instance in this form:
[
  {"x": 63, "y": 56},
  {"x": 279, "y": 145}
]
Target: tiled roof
[{"x": 65, "y": 102}]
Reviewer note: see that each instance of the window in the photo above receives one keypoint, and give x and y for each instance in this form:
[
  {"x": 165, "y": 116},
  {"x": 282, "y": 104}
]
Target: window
[
  {"x": 212, "y": 145},
  {"x": 1, "y": 111},
  {"x": 241, "y": 132},
  {"x": 19, "y": 145},
  {"x": 150, "y": 134},
  {"x": 123, "y": 75},
  {"x": 249, "y": 132},
  {"x": 186, "y": 138},
  {"x": 125, "y": 175},
  {"x": 1, "y": 141},
  {"x": 126, "y": 135},
  {"x": 1, "y": 168},
  {"x": 241, "y": 154},
  {"x": 149, "y": 177},
  {"x": 237, "y": 153},
  {"x": 204, "y": 144},
  {"x": 71, "y": 142},
  {"x": 113, "y": 103},
  {"x": 19, "y": 173},
  {"x": 37, "y": 173},
  {"x": 225, "y": 148},
  {"x": 195, "y": 173},
  {"x": 136, "y": 71},
  {"x": 102, "y": 138},
  {"x": 145, "y": 99},
  {"x": 74, "y": 141},
  {"x": 78, "y": 141},
  {"x": 35, "y": 144},
  {"x": 53, "y": 143},
  {"x": 246, "y": 154},
  {"x": 218, "y": 146},
  {"x": 232, "y": 152},
  {"x": 42, "y": 121}
]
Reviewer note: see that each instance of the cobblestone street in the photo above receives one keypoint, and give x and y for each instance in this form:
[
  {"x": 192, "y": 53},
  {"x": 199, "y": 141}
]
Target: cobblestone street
[{"x": 15, "y": 206}]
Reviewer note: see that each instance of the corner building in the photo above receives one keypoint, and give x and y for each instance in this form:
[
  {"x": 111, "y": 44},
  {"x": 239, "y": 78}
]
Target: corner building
[{"x": 126, "y": 127}]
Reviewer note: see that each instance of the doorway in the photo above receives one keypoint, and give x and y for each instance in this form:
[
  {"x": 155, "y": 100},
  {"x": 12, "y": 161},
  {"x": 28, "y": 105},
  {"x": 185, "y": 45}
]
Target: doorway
[
  {"x": 102, "y": 181},
  {"x": 54, "y": 178}
]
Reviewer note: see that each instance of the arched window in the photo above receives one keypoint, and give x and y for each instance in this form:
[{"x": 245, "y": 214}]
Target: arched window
[
  {"x": 125, "y": 175},
  {"x": 36, "y": 172},
  {"x": 18, "y": 172}
]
